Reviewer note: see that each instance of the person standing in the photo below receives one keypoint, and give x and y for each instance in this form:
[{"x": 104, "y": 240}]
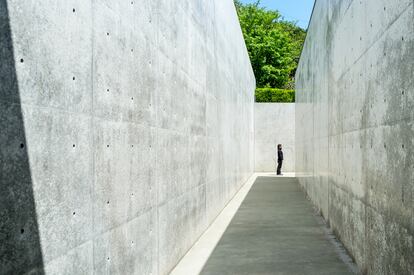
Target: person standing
[{"x": 279, "y": 159}]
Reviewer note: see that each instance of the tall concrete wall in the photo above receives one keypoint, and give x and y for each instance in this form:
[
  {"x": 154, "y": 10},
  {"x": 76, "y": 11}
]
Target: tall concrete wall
[
  {"x": 126, "y": 126},
  {"x": 274, "y": 123},
  {"x": 354, "y": 127}
]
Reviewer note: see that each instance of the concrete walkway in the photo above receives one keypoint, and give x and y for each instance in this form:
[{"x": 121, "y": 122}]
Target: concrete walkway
[{"x": 276, "y": 231}]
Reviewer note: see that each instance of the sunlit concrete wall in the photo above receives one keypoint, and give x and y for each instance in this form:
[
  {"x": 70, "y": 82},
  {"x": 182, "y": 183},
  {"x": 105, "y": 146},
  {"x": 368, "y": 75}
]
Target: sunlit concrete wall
[
  {"x": 355, "y": 129},
  {"x": 126, "y": 127},
  {"x": 274, "y": 123}
]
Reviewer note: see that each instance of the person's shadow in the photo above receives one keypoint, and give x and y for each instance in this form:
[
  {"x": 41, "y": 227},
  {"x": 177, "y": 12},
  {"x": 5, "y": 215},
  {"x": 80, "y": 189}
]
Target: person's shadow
[{"x": 20, "y": 250}]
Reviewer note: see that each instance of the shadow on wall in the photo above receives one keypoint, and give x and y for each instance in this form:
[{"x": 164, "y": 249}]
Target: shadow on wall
[{"x": 20, "y": 250}]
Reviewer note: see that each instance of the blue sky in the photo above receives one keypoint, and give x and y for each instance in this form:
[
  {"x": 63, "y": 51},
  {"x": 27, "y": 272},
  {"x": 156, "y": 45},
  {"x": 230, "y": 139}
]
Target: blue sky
[{"x": 292, "y": 10}]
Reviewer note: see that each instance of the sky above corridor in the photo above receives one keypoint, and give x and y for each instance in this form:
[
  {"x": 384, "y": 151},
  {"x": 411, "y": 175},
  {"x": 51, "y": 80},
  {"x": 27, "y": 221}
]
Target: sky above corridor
[{"x": 292, "y": 10}]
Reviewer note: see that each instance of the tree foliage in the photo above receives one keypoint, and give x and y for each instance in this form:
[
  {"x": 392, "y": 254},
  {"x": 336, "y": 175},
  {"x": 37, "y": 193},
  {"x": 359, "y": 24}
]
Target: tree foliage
[{"x": 274, "y": 44}]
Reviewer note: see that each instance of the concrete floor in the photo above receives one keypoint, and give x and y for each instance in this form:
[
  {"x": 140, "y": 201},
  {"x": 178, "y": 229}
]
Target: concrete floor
[{"x": 276, "y": 231}]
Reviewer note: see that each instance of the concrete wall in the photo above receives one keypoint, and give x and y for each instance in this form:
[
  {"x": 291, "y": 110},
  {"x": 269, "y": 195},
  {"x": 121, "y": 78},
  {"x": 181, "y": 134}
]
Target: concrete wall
[
  {"x": 354, "y": 127},
  {"x": 274, "y": 123},
  {"x": 126, "y": 126}
]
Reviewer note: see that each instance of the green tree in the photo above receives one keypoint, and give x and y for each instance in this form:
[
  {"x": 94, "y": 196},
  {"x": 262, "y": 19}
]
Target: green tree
[{"x": 274, "y": 44}]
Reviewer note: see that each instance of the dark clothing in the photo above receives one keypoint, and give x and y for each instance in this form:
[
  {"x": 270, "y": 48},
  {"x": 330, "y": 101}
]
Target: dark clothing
[
  {"x": 279, "y": 155},
  {"x": 279, "y": 167},
  {"x": 279, "y": 161}
]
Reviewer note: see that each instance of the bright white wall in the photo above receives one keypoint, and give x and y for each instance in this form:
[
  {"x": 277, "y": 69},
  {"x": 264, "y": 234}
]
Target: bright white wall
[{"x": 274, "y": 124}]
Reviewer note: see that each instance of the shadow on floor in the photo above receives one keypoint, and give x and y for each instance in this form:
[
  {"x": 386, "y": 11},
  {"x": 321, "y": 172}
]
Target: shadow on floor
[{"x": 20, "y": 250}]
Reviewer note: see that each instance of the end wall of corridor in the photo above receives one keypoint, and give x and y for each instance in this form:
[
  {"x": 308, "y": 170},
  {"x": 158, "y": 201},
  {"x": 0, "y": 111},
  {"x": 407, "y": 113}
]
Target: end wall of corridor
[{"x": 274, "y": 123}]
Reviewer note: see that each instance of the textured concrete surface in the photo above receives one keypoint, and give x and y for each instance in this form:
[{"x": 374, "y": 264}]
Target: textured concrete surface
[
  {"x": 197, "y": 256},
  {"x": 126, "y": 127},
  {"x": 276, "y": 231},
  {"x": 354, "y": 127},
  {"x": 195, "y": 259},
  {"x": 274, "y": 123}
]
